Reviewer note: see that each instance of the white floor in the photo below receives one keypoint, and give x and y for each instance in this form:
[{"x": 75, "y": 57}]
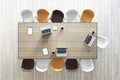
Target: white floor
[{"x": 107, "y": 15}]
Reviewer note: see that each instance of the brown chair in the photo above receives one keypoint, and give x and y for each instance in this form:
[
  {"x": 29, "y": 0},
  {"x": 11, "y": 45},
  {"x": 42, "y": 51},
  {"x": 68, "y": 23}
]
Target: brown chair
[
  {"x": 42, "y": 15},
  {"x": 71, "y": 64},
  {"x": 87, "y": 16},
  {"x": 57, "y": 64},
  {"x": 27, "y": 64},
  {"x": 57, "y": 16}
]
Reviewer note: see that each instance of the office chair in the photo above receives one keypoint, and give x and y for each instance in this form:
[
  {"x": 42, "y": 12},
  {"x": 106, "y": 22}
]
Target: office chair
[
  {"x": 57, "y": 16},
  {"x": 27, "y": 64},
  {"x": 87, "y": 16},
  {"x": 71, "y": 15},
  {"x": 57, "y": 64},
  {"x": 27, "y": 16},
  {"x": 42, "y": 15}
]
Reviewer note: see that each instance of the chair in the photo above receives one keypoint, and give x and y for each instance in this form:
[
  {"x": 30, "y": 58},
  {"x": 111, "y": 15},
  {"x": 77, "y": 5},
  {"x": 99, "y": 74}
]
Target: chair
[
  {"x": 42, "y": 15},
  {"x": 86, "y": 65},
  {"x": 87, "y": 16},
  {"x": 57, "y": 16},
  {"x": 71, "y": 15},
  {"x": 27, "y": 16},
  {"x": 71, "y": 64},
  {"x": 57, "y": 64},
  {"x": 42, "y": 65},
  {"x": 102, "y": 41},
  {"x": 27, "y": 64}
]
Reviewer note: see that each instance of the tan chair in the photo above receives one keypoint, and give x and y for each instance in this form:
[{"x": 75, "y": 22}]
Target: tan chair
[
  {"x": 57, "y": 64},
  {"x": 42, "y": 15},
  {"x": 87, "y": 16}
]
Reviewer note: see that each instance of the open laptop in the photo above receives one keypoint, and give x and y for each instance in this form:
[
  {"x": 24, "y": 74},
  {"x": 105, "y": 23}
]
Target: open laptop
[{"x": 61, "y": 52}]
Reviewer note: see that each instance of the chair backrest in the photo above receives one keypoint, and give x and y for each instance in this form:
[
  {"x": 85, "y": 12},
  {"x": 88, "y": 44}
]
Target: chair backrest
[
  {"x": 42, "y": 15},
  {"x": 87, "y": 16},
  {"x": 27, "y": 16},
  {"x": 42, "y": 65},
  {"x": 71, "y": 15},
  {"x": 86, "y": 65},
  {"x": 57, "y": 16},
  {"x": 102, "y": 41},
  {"x": 57, "y": 64},
  {"x": 27, "y": 64},
  {"x": 71, "y": 64}
]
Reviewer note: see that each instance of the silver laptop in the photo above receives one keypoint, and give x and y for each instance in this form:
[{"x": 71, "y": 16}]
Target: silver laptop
[{"x": 61, "y": 52}]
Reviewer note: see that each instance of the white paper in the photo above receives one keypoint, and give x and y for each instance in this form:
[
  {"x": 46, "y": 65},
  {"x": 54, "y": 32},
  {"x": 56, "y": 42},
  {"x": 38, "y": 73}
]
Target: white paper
[
  {"x": 45, "y": 51},
  {"x": 29, "y": 31}
]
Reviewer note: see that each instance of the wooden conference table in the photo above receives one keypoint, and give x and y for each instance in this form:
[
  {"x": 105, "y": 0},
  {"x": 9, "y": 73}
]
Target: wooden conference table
[{"x": 71, "y": 37}]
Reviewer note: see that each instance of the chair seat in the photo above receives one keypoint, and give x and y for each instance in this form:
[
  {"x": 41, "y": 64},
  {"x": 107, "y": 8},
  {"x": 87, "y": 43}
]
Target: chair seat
[
  {"x": 57, "y": 64},
  {"x": 27, "y": 64},
  {"x": 27, "y": 16},
  {"x": 42, "y": 15},
  {"x": 71, "y": 64},
  {"x": 87, "y": 16},
  {"x": 87, "y": 65},
  {"x": 71, "y": 15},
  {"x": 57, "y": 16},
  {"x": 42, "y": 65},
  {"x": 102, "y": 41}
]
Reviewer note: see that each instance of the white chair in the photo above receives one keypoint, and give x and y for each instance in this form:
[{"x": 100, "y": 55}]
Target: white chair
[
  {"x": 86, "y": 65},
  {"x": 27, "y": 16},
  {"x": 71, "y": 15},
  {"x": 42, "y": 65},
  {"x": 102, "y": 41}
]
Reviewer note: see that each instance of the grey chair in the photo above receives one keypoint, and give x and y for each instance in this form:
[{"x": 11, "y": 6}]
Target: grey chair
[
  {"x": 87, "y": 65},
  {"x": 27, "y": 16},
  {"x": 102, "y": 41},
  {"x": 71, "y": 15},
  {"x": 42, "y": 65}
]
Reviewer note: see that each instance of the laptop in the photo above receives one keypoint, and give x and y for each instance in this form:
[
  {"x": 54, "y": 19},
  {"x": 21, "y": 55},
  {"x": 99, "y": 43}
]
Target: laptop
[{"x": 61, "y": 52}]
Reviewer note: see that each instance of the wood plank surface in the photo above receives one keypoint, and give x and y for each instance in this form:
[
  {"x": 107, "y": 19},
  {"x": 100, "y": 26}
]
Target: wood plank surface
[{"x": 71, "y": 37}]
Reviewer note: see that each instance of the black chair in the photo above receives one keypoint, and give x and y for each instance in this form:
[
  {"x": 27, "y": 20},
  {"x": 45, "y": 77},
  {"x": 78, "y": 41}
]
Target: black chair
[
  {"x": 57, "y": 16},
  {"x": 71, "y": 64},
  {"x": 27, "y": 64}
]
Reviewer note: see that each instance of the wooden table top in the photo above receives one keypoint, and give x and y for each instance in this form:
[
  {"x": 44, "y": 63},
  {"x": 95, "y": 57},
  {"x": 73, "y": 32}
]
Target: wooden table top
[{"x": 71, "y": 37}]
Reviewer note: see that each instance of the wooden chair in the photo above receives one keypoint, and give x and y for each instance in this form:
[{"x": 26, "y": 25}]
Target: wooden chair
[
  {"x": 57, "y": 64},
  {"x": 42, "y": 15},
  {"x": 87, "y": 16},
  {"x": 57, "y": 16}
]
